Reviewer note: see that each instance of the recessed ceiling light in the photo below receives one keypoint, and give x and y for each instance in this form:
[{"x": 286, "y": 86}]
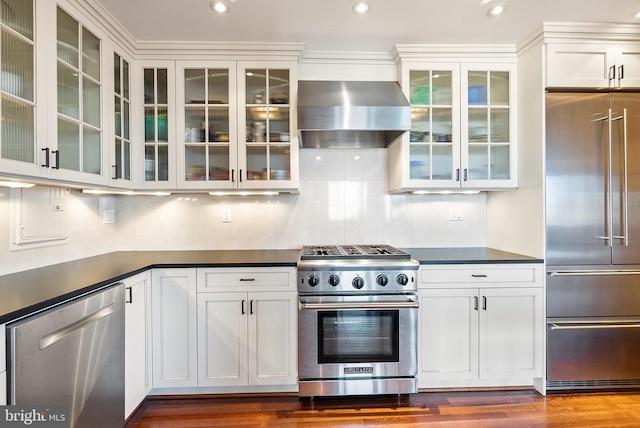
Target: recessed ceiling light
[
  {"x": 497, "y": 10},
  {"x": 361, "y": 7},
  {"x": 637, "y": 14},
  {"x": 220, "y": 6}
]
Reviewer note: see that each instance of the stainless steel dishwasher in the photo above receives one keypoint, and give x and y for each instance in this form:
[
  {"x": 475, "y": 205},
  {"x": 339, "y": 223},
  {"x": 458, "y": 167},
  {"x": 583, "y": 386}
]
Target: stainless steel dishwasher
[{"x": 72, "y": 355}]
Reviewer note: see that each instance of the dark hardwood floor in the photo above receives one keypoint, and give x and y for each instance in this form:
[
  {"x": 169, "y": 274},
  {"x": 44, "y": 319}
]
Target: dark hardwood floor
[{"x": 522, "y": 408}]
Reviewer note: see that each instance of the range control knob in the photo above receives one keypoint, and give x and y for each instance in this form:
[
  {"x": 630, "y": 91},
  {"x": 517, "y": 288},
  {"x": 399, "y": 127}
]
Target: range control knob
[
  {"x": 313, "y": 280},
  {"x": 334, "y": 280},
  {"x": 402, "y": 279},
  {"x": 357, "y": 282},
  {"x": 382, "y": 280}
]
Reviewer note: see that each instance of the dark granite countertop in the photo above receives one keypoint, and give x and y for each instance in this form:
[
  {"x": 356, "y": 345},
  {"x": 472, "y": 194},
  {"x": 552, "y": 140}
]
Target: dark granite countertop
[
  {"x": 29, "y": 291},
  {"x": 467, "y": 255}
]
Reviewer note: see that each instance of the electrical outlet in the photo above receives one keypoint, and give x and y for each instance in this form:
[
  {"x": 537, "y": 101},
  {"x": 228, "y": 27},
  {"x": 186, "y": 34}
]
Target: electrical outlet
[
  {"x": 455, "y": 214},
  {"x": 226, "y": 215},
  {"x": 108, "y": 216}
]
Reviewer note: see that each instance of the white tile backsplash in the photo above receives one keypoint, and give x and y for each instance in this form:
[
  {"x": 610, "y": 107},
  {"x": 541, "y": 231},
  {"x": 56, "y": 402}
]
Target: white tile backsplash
[{"x": 343, "y": 199}]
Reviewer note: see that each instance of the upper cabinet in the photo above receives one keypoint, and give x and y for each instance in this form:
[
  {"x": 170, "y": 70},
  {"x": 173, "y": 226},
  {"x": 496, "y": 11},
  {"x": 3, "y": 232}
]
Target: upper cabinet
[
  {"x": 593, "y": 65},
  {"x": 235, "y": 126},
  {"x": 463, "y": 127}
]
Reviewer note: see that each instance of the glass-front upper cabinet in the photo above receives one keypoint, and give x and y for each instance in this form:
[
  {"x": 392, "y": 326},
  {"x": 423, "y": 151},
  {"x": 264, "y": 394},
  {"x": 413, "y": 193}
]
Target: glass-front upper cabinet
[
  {"x": 159, "y": 146},
  {"x": 268, "y": 149},
  {"x": 489, "y": 126},
  {"x": 18, "y": 152},
  {"x": 208, "y": 155},
  {"x": 122, "y": 126},
  {"x": 79, "y": 98}
]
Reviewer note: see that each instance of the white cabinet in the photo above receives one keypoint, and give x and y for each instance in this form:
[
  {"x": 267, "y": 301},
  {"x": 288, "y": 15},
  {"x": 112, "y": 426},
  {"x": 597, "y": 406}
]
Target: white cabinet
[
  {"x": 137, "y": 360},
  {"x": 588, "y": 64},
  {"x": 173, "y": 312},
  {"x": 236, "y": 125},
  {"x": 480, "y": 325},
  {"x": 3, "y": 366},
  {"x": 247, "y": 327},
  {"x": 464, "y": 127}
]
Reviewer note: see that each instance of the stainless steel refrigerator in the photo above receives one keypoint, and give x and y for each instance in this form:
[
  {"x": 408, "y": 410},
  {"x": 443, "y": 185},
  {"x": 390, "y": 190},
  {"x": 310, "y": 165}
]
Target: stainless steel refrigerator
[{"x": 593, "y": 240}]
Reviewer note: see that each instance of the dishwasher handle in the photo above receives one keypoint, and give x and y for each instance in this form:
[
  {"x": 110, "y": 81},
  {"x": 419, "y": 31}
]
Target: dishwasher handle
[{"x": 59, "y": 334}]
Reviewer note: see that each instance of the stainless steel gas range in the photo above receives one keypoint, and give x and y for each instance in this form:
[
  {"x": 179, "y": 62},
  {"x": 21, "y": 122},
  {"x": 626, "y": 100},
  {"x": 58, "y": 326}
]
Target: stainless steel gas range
[{"x": 357, "y": 320}]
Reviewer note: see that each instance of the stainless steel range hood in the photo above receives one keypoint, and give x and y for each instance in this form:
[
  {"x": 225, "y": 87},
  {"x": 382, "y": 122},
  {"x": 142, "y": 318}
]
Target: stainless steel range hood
[{"x": 349, "y": 114}]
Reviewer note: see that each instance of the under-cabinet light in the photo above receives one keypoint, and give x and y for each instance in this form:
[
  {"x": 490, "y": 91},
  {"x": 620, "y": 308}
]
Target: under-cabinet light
[
  {"x": 445, "y": 192},
  {"x": 266, "y": 193},
  {"x": 16, "y": 184},
  {"x": 123, "y": 192}
]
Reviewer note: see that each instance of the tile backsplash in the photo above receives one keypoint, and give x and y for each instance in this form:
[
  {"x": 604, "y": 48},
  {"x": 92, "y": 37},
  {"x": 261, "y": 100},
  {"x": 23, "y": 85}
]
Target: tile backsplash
[{"x": 343, "y": 199}]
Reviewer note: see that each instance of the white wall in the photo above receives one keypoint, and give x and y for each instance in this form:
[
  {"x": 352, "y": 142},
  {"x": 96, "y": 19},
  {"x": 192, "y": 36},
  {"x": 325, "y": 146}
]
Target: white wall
[{"x": 343, "y": 199}]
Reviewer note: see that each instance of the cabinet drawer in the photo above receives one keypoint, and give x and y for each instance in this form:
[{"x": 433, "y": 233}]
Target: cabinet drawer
[
  {"x": 480, "y": 275},
  {"x": 267, "y": 279}
]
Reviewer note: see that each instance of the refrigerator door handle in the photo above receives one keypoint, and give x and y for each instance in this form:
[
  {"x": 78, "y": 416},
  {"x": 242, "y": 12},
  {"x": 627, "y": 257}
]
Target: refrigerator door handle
[{"x": 609, "y": 199}]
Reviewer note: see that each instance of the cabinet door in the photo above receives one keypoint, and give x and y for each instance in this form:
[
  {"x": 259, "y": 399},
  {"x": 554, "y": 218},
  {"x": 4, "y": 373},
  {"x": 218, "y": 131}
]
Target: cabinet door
[
  {"x": 627, "y": 72},
  {"x": 584, "y": 65},
  {"x": 173, "y": 308},
  {"x": 448, "y": 335},
  {"x": 273, "y": 338},
  {"x": 120, "y": 171},
  {"x": 137, "y": 340},
  {"x": 222, "y": 339},
  {"x": 3, "y": 366},
  {"x": 510, "y": 333},
  {"x": 268, "y": 148},
  {"x": 489, "y": 126},
  {"x": 207, "y": 125}
]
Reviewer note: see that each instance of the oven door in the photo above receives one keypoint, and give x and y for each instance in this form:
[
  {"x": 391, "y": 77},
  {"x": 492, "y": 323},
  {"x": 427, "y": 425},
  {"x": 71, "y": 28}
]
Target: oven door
[{"x": 357, "y": 337}]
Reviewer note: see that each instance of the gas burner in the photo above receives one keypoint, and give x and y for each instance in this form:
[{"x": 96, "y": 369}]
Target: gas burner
[{"x": 352, "y": 252}]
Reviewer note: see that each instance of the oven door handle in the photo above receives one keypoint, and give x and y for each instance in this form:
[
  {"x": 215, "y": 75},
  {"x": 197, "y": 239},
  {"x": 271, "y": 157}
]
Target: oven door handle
[{"x": 359, "y": 305}]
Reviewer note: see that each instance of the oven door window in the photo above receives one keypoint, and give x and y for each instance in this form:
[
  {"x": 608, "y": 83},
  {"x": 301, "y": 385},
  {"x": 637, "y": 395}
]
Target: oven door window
[{"x": 354, "y": 336}]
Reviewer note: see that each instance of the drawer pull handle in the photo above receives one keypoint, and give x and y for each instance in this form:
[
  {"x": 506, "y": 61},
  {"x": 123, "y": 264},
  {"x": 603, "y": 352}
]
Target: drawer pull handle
[
  {"x": 247, "y": 279},
  {"x": 478, "y": 275}
]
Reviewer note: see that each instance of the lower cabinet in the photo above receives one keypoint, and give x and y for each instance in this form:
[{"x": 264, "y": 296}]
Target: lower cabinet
[
  {"x": 173, "y": 314},
  {"x": 246, "y": 338},
  {"x": 490, "y": 336},
  {"x": 3, "y": 366},
  {"x": 137, "y": 361}
]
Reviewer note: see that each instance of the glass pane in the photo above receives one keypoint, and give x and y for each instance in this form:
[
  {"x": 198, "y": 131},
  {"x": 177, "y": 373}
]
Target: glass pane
[
  {"x": 420, "y": 125},
  {"x": 219, "y": 163},
  {"x": 125, "y": 79},
  {"x": 91, "y": 149},
  {"x": 90, "y": 54},
  {"x": 478, "y": 162},
  {"x": 149, "y": 124},
  {"x": 69, "y": 145},
  {"x": 442, "y": 162},
  {"x": 162, "y": 86},
  {"x": 477, "y": 88},
  {"x": 478, "y": 124},
  {"x": 500, "y": 125},
  {"x": 280, "y": 159},
  {"x": 91, "y": 102},
  {"x": 419, "y": 162},
  {"x": 442, "y": 88},
  {"x": 149, "y": 85},
  {"x": 257, "y": 162},
  {"x": 256, "y": 86},
  {"x": 500, "y": 162},
  {"x": 419, "y": 86},
  {"x": 149, "y": 163},
  {"x": 219, "y": 124},
  {"x": 118, "y": 158},
  {"x": 194, "y": 86},
  {"x": 163, "y": 163},
  {"x": 218, "y": 86},
  {"x": 127, "y": 161},
  {"x": 278, "y": 86},
  {"x": 195, "y": 163},
  {"x": 116, "y": 74},
  {"x": 194, "y": 125},
  {"x": 18, "y": 139},
  {"x": 68, "y": 92},
  {"x": 499, "y": 88},
  {"x": 442, "y": 125},
  {"x": 17, "y": 66},
  {"x": 118, "y": 118},
  {"x": 18, "y": 15},
  {"x": 256, "y": 124},
  {"x": 163, "y": 133},
  {"x": 125, "y": 119},
  {"x": 68, "y": 36},
  {"x": 278, "y": 124}
]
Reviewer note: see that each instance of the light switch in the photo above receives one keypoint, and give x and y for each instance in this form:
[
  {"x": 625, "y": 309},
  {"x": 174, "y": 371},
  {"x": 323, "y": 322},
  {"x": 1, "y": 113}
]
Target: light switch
[
  {"x": 455, "y": 214},
  {"x": 226, "y": 215}
]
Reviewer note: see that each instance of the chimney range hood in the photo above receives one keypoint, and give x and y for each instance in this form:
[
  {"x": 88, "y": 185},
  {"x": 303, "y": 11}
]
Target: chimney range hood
[{"x": 351, "y": 114}]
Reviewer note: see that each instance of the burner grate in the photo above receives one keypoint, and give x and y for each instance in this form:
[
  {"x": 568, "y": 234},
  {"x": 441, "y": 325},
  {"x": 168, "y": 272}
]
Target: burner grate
[{"x": 352, "y": 252}]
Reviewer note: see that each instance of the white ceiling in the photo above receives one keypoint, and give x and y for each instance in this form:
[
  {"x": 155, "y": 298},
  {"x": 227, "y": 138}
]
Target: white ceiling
[{"x": 330, "y": 25}]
